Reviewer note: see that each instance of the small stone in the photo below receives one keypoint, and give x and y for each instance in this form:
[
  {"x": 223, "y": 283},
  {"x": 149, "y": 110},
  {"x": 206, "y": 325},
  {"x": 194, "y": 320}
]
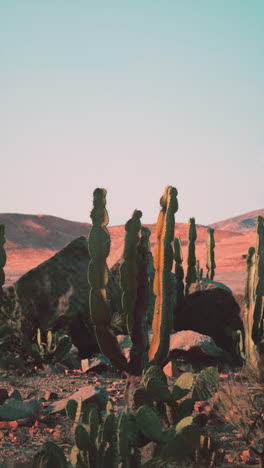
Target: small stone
[{"x": 171, "y": 369}]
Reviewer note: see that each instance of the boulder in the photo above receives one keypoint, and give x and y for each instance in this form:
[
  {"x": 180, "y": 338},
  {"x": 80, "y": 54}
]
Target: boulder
[
  {"x": 55, "y": 295},
  {"x": 195, "y": 344},
  {"x": 211, "y": 309}
]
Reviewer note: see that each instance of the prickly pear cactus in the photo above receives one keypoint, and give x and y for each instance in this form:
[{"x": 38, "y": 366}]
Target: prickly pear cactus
[
  {"x": 163, "y": 258},
  {"x": 2, "y": 260},
  {"x": 99, "y": 248},
  {"x": 210, "y": 245},
  {"x": 191, "y": 260}
]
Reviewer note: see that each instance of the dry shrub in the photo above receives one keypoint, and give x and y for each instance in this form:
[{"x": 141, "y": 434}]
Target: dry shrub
[{"x": 240, "y": 402}]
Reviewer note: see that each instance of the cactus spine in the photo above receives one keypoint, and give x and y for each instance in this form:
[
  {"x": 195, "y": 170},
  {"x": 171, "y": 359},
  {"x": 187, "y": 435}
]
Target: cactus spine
[
  {"x": 2, "y": 260},
  {"x": 163, "y": 258},
  {"x": 254, "y": 311},
  {"x": 191, "y": 270},
  {"x": 210, "y": 244},
  {"x": 99, "y": 248}
]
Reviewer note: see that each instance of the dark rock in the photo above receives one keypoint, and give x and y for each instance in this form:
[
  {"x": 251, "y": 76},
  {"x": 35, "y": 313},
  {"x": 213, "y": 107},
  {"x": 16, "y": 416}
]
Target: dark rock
[
  {"x": 3, "y": 395},
  {"x": 211, "y": 309},
  {"x": 13, "y": 409},
  {"x": 55, "y": 295}
]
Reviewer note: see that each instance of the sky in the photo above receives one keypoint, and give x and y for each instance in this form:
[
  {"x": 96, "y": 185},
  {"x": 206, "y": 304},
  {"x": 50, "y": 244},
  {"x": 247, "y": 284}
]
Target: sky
[{"x": 132, "y": 96}]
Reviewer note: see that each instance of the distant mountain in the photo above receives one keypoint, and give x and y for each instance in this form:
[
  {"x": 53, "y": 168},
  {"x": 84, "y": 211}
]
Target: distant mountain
[
  {"x": 33, "y": 239},
  {"x": 242, "y": 224},
  {"x": 24, "y": 231}
]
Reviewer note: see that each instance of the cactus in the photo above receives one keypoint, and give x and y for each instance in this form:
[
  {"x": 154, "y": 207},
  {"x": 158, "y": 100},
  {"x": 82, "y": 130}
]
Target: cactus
[
  {"x": 254, "y": 296},
  {"x": 134, "y": 281},
  {"x": 179, "y": 274},
  {"x": 199, "y": 272},
  {"x": 210, "y": 244},
  {"x": 191, "y": 260},
  {"x": 104, "y": 442},
  {"x": 49, "y": 352},
  {"x": 163, "y": 258},
  {"x": 2, "y": 261},
  {"x": 49, "y": 455},
  {"x": 99, "y": 248}
]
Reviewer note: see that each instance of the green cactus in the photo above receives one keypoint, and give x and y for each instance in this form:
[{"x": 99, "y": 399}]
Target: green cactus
[
  {"x": 191, "y": 260},
  {"x": 199, "y": 272},
  {"x": 254, "y": 296},
  {"x": 135, "y": 286},
  {"x": 49, "y": 456},
  {"x": 179, "y": 274},
  {"x": 99, "y": 248},
  {"x": 49, "y": 352},
  {"x": 2, "y": 261},
  {"x": 210, "y": 245}
]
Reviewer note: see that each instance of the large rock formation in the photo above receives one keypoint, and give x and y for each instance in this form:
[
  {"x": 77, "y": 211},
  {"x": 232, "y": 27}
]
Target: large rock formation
[
  {"x": 211, "y": 309},
  {"x": 55, "y": 295}
]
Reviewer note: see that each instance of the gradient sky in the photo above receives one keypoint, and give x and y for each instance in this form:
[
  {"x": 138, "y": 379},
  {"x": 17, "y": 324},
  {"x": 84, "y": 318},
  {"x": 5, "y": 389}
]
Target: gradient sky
[{"x": 132, "y": 96}]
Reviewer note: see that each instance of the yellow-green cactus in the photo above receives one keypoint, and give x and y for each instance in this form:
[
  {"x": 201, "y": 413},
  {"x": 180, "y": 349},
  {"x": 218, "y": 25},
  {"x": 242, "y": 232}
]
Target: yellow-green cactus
[
  {"x": 163, "y": 259},
  {"x": 99, "y": 248}
]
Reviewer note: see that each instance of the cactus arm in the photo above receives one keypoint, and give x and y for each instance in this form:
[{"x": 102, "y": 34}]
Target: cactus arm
[
  {"x": 191, "y": 260},
  {"x": 163, "y": 258},
  {"x": 210, "y": 244},
  {"x": 99, "y": 247}
]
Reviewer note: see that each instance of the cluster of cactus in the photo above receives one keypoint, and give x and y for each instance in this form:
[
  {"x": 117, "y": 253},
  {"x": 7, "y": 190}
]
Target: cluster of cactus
[
  {"x": 50, "y": 351},
  {"x": 254, "y": 295},
  {"x": 2, "y": 260},
  {"x": 209, "y": 453},
  {"x": 103, "y": 441},
  {"x": 135, "y": 283}
]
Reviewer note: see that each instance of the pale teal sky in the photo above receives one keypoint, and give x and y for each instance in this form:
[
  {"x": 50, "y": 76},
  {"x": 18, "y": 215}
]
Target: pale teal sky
[{"x": 132, "y": 96}]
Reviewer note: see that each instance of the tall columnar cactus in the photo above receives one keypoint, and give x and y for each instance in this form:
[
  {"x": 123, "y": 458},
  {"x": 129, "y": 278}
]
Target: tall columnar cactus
[
  {"x": 179, "y": 274},
  {"x": 99, "y": 248},
  {"x": 2, "y": 260},
  {"x": 254, "y": 295},
  {"x": 134, "y": 283},
  {"x": 191, "y": 260},
  {"x": 163, "y": 259},
  {"x": 258, "y": 323},
  {"x": 210, "y": 244}
]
